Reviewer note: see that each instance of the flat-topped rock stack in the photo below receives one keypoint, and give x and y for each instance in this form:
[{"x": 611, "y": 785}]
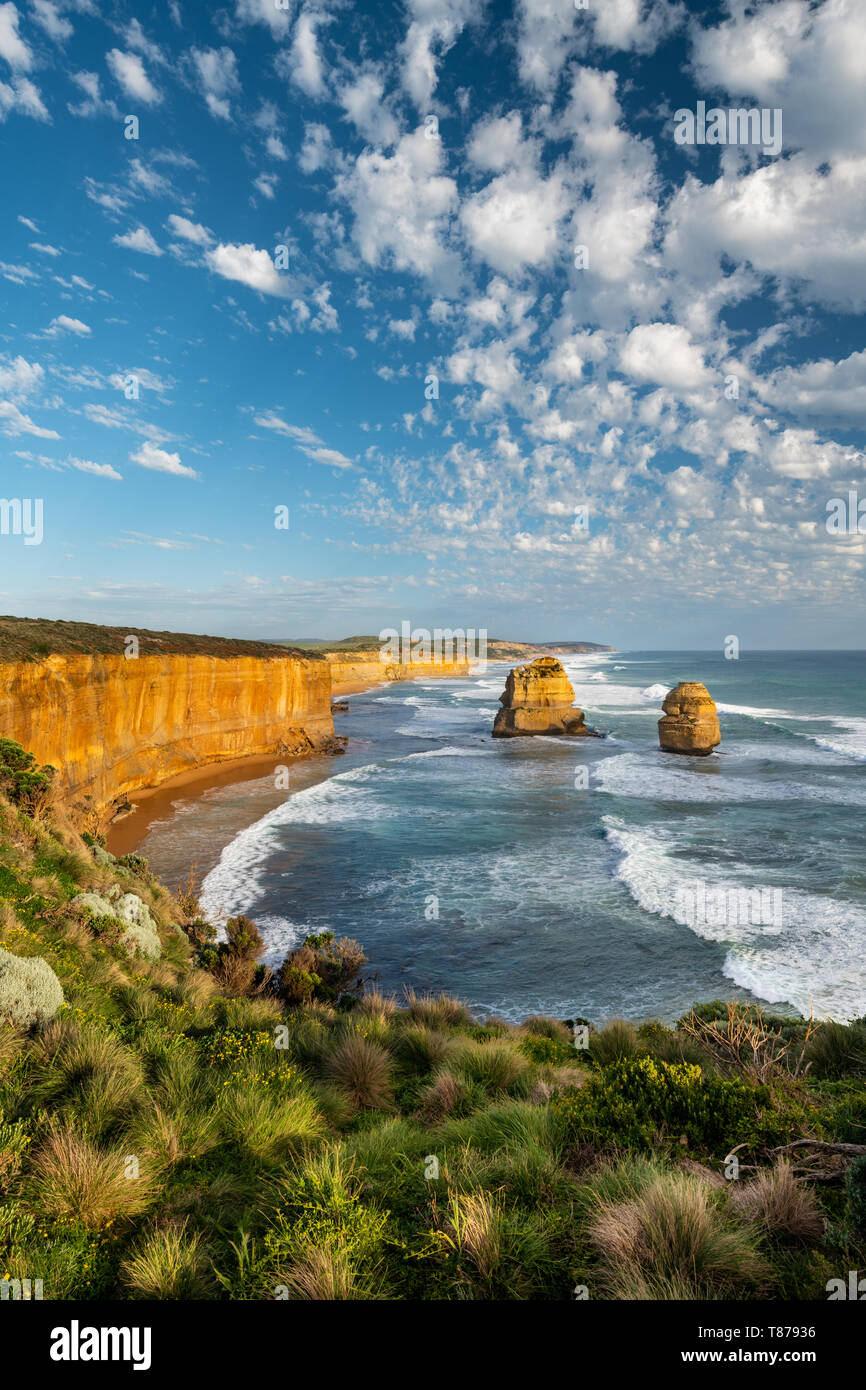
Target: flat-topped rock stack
[
  {"x": 691, "y": 722},
  {"x": 539, "y": 699}
]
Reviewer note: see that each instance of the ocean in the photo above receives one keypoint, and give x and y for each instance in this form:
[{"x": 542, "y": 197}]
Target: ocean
[{"x": 584, "y": 877}]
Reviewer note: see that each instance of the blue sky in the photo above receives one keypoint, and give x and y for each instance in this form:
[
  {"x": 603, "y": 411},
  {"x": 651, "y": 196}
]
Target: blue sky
[{"x": 430, "y": 169}]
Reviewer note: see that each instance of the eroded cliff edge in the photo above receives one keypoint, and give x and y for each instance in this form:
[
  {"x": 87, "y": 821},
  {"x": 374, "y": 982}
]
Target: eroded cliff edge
[{"x": 114, "y": 724}]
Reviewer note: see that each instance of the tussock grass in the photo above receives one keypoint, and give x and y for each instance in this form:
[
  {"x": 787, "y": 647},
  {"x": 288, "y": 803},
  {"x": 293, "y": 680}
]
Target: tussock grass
[
  {"x": 169, "y": 1263},
  {"x": 496, "y": 1066},
  {"x": 422, "y": 1049},
  {"x": 672, "y": 1238},
  {"x": 79, "y": 1181},
  {"x": 439, "y": 1011},
  {"x": 778, "y": 1202},
  {"x": 363, "y": 1069},
  {"x": 270, "y": 1126},
  {"x": 616, "y": 1040}
]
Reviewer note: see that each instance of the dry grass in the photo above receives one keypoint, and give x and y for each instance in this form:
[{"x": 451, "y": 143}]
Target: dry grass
[
  {"x": 539, "y": 1026},
  {"x": 323, "y": 1276},
  {"x": 422, "y": 1048},
  {"x": 778, "y": 1202},
  {"x": 445, "y": 1095},
  {"x": 437, "y": 1011},
  {"x": 169, "y": 1263},
  {"x": 496, "y": 1066},
  {"x": 616, "y": 1040},
  {"x": 79, "y": 1181},
  {"x": 363, "y": 1069},
  {"x": 670, "y": 1239},
  {"x": 741, "y": 1044},
  {"x": 475, "y": 1225},
  {"x": 377, "y": 1005}
]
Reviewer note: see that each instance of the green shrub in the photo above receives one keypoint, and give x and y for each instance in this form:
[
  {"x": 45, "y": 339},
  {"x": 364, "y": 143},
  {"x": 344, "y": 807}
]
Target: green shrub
[
  {"x": 638, "y": 1101},
  {"x": 26, "y": 784},
  {"x": 837, "y": 1050},
  {"x": 547, "y": 1050},
  {"x": 30, "y": 992},
  {"x": 322, "y": 968},
  {"x": 616, "y": 1040}
]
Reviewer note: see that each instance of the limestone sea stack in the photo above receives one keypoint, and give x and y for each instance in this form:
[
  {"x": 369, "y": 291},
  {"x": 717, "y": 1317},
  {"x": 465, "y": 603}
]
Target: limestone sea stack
[
  {"x": 691, "y": 722},
  {"x": 539, "y": 699}
]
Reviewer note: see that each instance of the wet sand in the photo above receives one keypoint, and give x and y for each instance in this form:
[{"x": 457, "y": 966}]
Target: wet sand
[{"x": 153, "y": 804}]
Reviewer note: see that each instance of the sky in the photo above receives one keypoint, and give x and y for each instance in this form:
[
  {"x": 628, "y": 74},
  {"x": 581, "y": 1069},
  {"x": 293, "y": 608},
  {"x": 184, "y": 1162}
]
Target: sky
[{"x": 438, "y": 285}]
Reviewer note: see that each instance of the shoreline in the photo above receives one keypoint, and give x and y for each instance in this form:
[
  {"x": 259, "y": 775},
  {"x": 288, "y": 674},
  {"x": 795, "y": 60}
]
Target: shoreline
[{"x": 152, "y": 804}]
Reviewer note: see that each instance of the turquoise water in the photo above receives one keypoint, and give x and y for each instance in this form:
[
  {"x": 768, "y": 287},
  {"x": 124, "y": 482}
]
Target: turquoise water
[{"x": 556, "y": 876}]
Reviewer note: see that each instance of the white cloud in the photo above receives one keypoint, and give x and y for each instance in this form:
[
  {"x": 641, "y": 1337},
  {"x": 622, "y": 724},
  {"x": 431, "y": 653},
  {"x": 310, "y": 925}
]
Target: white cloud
[
  {"x": 100, "y": 470},
  {"x": 139, "y": 240},
  {"x": 317, "y": 149},
  {"x": 266, "y": 12},
  {"x": 17, "y": 422},
  {"x": 365, "y": 104},
  {"x": 22, "y": 96},
  {"x": 663, "y": 353},
  {"x": 19, "y": 378},
  {"x": 149, "y": 456},
  {"x": 128, "y": 71},
  {"x": 266, "y": 184},
  {"x": 250, "y": 266},
  {"x": 512, "y": 222},
  {"x": 402, "y": 206},
  {"x": 218, "y": 80},
  {"x": 788, "y": 219},
  {"x": 306, "y": 439},
  {"x": 94, "y": 103},
  {"x": 51, "y": 20},
  {"x": 305, "y": 66},
  {"x": 12, "y": 46},
  {"x": 64, "y": 324},
  {"x": 189, "y": 231},
  {"x": 434, "y": 27},
  {"x": 834, "y": 391}
]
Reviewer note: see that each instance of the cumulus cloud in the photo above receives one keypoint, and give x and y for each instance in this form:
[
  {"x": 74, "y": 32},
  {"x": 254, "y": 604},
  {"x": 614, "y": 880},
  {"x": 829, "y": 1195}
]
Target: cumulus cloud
[
  {"x": 129, "y": 72},
  {"x": 189, "y": 231},
  {"x": 402, "y": 207},
  {"x": 159, "y": 461},
  {"x": 664, "y": 354},
  {"x": 139, "y": 240},
  {"x": 249, "y": 265},
  {"x": 64, "y": 324},
  {"x": 12, "y": 46},
  {"x": 99, "y": 470},
  {"x": 217, "y": 75}
]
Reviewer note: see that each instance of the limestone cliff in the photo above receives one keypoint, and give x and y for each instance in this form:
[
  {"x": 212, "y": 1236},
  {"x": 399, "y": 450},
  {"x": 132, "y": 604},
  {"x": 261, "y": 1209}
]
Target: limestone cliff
[
  {"x": 691, "y": 722},
  {"x": 353, "y": 671},
  {"x": 539, "y": 699},
  {"x": 113, "y": 725}
]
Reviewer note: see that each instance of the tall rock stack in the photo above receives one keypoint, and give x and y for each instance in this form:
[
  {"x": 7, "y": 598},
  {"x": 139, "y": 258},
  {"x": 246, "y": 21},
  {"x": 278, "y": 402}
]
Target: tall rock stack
[
  {"x": 691, "y": 722},
  {"x": 539, "y": 699}
]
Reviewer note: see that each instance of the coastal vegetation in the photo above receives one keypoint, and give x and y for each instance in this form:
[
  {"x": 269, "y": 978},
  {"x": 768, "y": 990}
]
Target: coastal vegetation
[{"x": 179, "y": 1121}]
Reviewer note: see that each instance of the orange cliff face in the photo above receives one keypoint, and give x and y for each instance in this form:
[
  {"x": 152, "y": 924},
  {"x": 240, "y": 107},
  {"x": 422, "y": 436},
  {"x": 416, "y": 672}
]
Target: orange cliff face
[
  {"x": 114, "y": 726},
  {"x": 353, "y": 671}
]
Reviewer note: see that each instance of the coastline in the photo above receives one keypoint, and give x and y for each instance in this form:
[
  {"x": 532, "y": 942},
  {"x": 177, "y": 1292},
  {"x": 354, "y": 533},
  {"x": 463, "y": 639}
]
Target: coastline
[{"x": 153, "y": 804}]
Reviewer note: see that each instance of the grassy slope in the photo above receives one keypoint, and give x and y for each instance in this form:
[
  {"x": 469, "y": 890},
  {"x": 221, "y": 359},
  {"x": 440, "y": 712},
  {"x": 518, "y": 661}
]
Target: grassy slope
[
  {"x": 28, "y": 639},
  {"x": 310, "y": 1169}
]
